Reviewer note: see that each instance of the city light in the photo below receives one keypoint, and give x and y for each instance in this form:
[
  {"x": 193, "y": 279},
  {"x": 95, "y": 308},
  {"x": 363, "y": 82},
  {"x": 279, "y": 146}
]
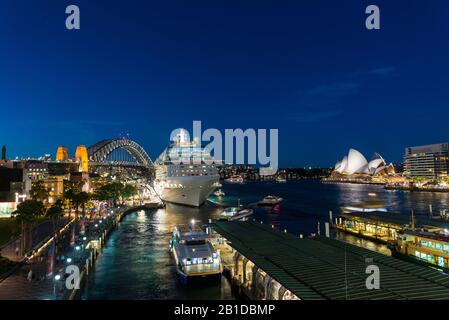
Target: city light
[{"x": 287, "y": 207}]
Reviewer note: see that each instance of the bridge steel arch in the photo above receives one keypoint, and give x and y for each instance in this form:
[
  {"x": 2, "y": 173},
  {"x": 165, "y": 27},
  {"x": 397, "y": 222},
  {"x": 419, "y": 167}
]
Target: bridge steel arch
[{"x": 100, "y": 151}]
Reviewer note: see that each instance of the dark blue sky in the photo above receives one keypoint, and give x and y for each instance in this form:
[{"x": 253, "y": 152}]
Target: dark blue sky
[{"x": 309, "y": 68}]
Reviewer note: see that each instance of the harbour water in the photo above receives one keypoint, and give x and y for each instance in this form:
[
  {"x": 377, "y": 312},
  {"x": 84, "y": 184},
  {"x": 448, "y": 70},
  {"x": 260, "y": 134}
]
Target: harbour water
[{"x": 135, "y": 263}]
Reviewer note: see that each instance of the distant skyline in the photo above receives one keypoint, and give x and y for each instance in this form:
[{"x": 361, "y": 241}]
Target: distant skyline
[{"x": 309, "y": 68}]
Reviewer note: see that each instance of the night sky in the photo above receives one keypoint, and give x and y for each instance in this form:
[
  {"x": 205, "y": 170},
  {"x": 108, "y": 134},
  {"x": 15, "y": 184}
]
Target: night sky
[{"x": 144, "y": 68}]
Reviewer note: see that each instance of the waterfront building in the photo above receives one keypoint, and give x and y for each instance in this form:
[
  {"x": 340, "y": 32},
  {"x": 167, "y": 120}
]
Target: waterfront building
[
  {"x": 36, "y": 169},
  {"x": 354, "y": 167},
  {"x": 14, "y": 186},
  {"x": 356, "y": 163},
  {"x": 55, "y": 187},
  {"x": 428, "y": 161}
]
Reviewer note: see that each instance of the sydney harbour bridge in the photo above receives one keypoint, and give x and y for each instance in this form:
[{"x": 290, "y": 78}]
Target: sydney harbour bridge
[{"x": 119, "y": 154}]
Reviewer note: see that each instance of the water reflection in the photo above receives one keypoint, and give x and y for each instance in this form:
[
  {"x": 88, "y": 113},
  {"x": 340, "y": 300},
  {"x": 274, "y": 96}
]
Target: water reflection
[
  {"x": 373, "y": 246},
  {"x": 135, "y": 263}
]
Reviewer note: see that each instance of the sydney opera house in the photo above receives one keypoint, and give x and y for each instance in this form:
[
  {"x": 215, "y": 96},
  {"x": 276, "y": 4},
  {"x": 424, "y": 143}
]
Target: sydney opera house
[{"x": 354, "y": 166}]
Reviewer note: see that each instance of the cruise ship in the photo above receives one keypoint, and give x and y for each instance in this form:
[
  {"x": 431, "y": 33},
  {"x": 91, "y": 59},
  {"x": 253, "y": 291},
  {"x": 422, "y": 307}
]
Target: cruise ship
[{"x": 185, "y": 173}]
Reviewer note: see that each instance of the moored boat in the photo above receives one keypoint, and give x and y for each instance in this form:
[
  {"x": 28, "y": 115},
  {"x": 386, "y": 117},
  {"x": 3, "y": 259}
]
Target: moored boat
[
  {"x": 237, "y": 213},
  {"x": 194, "y": 255},
  {"x": 235, "y": 179},
  {"x": 219, "y": 193},
  {"x": 270, "y": 201}
]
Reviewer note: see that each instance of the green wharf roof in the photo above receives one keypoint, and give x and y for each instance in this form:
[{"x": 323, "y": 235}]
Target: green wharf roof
[{"x": 323, "y": 268}]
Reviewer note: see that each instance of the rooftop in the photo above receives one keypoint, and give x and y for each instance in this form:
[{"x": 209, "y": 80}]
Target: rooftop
[{"x": 315, "y": 268}]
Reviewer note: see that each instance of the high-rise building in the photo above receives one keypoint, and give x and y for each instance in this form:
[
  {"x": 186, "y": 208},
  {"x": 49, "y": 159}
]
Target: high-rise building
[
  {"x": 4, "y": 153},
  {"x": 429, "y": 161}
]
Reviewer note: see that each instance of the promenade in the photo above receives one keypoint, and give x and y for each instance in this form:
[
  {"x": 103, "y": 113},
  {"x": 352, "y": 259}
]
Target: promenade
[{"x": 77, "y": 244}]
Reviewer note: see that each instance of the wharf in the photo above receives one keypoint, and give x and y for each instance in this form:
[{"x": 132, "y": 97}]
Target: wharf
[
  {"x": 384, "y": 226},
  {"x": 269, "y": 264}
]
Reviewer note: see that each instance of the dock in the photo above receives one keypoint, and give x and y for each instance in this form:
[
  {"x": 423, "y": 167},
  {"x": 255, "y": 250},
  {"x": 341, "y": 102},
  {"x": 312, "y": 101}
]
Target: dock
[
  {"x": 384, "y": 226},
  {"x": 266, "y": 263}
]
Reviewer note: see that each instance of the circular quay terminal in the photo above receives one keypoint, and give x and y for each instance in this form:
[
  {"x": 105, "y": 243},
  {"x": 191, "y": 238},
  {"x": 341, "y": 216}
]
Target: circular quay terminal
[{"x": 224, "y": 159}]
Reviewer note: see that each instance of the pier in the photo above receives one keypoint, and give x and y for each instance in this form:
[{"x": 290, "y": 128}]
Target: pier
[
  {"x": 266, "y": 263},
  {"x": 384, "y": 227},
  {"x": 16, "y": 286}
]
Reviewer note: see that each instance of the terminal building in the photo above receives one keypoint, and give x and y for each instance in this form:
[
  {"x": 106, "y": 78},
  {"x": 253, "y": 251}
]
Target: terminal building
[{"x": 429, "y": 161}]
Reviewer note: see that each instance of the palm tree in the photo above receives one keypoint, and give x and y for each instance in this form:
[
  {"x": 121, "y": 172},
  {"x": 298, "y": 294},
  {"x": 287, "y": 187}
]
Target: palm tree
[
  {"x": 54, "y": 213},
  {"x": 83, "y": 198},
  {"x": 27, "y": 214}
]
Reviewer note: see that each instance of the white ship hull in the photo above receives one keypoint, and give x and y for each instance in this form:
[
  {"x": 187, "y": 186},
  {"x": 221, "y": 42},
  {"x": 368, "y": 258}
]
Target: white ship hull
[{"x": 191, "y": 191}]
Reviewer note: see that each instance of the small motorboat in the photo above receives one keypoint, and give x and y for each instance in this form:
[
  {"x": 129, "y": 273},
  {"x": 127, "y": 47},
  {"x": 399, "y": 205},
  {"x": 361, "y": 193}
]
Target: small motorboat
[
  {"x": 270, "y": 201},
  {"x": 237, "y": 213},
  {"x": 219, "y": 193},
  {"x": 235, "y": 179},
  {"x": 281, "y": 179}
]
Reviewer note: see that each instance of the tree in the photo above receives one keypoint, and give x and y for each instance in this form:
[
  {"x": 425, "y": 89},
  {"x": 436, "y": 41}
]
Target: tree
[
  {"x": 115, "y": 191},
  {"x": 82, "y": 199},
  {"x": 109, "y": 191},
  {"x": 71, "y": 189},
  {"x": 39, "y": 191},
  {"x": 128, "y": 191},
  {"x": 27, "y": 214},
  {"x": 55, "y": 212}
]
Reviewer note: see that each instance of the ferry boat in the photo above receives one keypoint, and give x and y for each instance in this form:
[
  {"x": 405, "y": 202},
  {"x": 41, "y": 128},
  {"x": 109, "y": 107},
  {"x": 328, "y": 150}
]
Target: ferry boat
[
  {"x": 219, "y": 193},
  {"x": 422, "y": 247},
  {"x": 270, "y": 201},
  {"x": 186, "y": 173},
  {"x": 194, "y": 255},
  {"x": 235, "y": 179},
  {"x": 237, "y": 213}
]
